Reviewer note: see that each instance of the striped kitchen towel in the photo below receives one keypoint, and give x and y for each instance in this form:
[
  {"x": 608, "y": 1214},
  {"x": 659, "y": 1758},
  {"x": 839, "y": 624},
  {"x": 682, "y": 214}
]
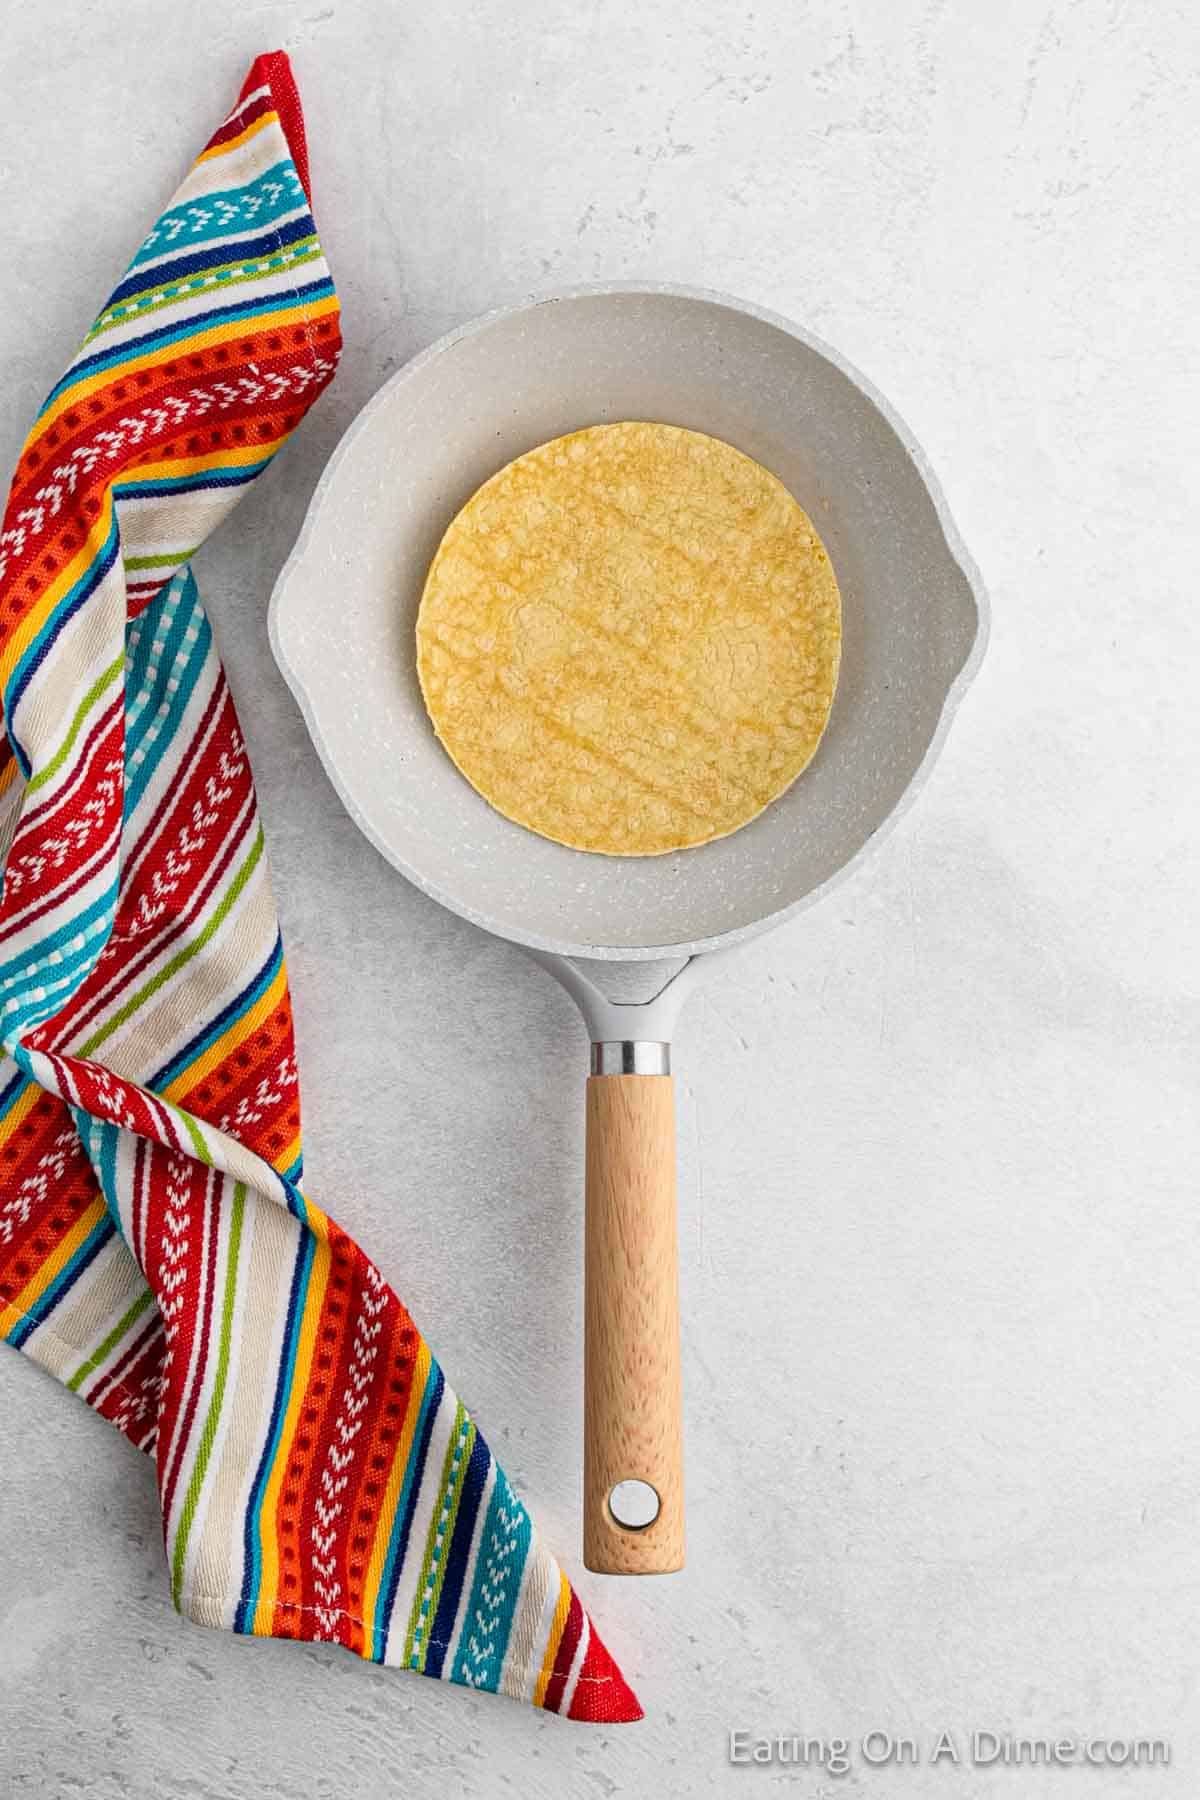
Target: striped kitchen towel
[{"x": 318, "y": 1477}]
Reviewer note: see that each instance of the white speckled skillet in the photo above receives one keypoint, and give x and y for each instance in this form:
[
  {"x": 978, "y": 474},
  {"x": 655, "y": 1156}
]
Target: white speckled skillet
[{"x": 627, "y": 937}]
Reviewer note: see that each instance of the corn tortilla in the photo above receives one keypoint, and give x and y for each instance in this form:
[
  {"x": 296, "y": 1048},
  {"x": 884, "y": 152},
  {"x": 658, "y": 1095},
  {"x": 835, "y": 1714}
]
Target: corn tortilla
[{"x": 629, "y": 639}]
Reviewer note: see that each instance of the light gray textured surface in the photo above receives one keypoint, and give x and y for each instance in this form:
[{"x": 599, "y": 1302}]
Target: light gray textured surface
[{"x": 939, "y": 1137}]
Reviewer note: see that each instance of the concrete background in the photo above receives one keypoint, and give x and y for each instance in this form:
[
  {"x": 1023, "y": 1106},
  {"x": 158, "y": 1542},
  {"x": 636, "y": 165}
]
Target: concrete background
[{"x": 941, "y": 1264}]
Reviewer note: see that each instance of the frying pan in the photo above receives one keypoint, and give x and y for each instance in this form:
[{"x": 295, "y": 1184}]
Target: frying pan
[{"x": 628, "y": 937}]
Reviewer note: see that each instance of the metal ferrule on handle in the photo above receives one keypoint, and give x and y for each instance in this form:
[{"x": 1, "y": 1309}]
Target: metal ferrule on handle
[{"x": 631, "y": 1056}]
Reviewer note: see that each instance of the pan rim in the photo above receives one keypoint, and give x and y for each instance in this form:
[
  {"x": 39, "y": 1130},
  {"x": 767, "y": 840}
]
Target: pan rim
[{"x": 951, "y": 536}]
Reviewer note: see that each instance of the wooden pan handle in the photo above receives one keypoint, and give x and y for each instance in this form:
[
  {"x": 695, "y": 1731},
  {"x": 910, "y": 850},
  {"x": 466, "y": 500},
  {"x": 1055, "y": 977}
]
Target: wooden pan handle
[{"x": 632, "y": 1400}]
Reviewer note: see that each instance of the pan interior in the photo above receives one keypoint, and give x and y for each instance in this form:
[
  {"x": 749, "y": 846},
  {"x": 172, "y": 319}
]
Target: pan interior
[{"x": 345, "y": 612}]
